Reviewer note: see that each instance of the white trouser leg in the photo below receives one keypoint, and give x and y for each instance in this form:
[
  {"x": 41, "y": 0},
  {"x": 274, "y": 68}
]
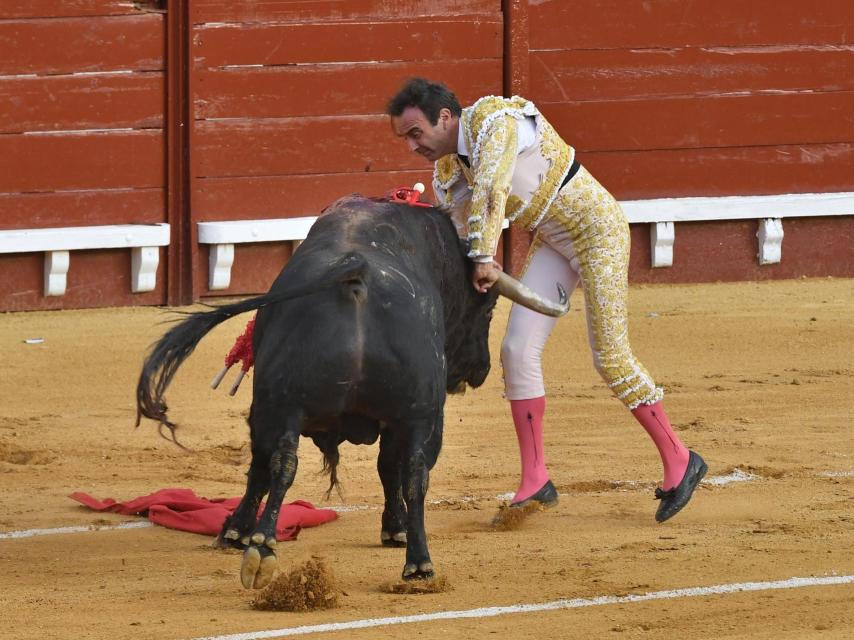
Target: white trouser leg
[{"x": 528, "y": 331}]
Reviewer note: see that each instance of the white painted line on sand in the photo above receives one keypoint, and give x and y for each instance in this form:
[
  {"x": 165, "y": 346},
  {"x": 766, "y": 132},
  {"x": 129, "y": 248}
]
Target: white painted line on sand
[
  {"x": 737, "y": 475},
  {"x": 29, "y": 533},
  {"x": 347, "y": 508},
  {"x": 838, "y": 474},
  {"x": 575, "y": 603}
]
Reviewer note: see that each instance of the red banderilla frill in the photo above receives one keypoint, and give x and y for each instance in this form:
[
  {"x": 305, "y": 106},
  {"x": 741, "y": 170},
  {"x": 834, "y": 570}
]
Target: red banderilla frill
[
  {"x": 404, "y": 195},
  {"x": 240, "y": 352}
]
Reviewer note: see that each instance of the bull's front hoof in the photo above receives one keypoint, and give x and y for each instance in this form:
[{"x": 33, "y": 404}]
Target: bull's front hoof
[
  {"x": 258, "y": 567},
  {"x": 423, "y": 571},
  {"x": 393, "y": 539}
]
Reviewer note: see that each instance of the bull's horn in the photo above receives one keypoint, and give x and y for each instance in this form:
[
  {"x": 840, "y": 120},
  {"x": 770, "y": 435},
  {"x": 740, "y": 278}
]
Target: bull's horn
[{"x": 520, "y": 294}]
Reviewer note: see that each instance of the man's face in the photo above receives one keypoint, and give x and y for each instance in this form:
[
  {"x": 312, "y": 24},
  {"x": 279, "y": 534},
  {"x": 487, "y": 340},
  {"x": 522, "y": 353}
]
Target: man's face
[{"x": 431, "y": 141}]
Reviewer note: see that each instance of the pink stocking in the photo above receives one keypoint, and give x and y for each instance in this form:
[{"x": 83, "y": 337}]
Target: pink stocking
[
  {"x": 674, "y": 455},
  {"x": 528, "y": 419}
]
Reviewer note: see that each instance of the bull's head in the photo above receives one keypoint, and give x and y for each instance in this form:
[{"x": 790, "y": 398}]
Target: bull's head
[
  {"x": 469, "y": 363},
  {"x": 468, "y": 355}
]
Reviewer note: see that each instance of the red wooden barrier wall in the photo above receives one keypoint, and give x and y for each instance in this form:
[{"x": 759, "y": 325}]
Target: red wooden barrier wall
[
  {"x": 705, "y": 98},
  {"x": 716, "y": 97},
  {"x": 81, "y": 139},
  {"x": 289, "y": 104},
  {"x": 114, "y": 112}
]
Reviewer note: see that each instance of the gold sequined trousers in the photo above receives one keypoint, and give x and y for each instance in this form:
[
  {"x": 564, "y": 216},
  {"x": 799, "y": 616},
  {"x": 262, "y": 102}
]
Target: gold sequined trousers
[{"x": 584, "y": 237}]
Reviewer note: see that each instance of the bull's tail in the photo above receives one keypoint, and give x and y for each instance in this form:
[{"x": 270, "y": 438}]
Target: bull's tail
[
  {"x": 172, "y": 349},
  {"x": 180, "y": 341}
]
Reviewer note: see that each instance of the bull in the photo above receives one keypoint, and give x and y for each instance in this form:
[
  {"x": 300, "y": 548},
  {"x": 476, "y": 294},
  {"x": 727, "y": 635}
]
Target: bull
[{"x": 362, "y": 334}]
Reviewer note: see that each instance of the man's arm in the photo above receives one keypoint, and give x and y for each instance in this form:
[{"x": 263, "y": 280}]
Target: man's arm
[{"x": 493, "y": 171}]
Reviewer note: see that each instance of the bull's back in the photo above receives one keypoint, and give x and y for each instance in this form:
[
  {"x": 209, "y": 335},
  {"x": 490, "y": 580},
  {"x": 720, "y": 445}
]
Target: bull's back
[{"x": 371, "y": 343}]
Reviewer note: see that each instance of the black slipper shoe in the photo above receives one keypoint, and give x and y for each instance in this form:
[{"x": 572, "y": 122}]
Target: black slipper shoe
[
  {"x": 546, "y": 496},
  {"x": 673, "y": 500}
]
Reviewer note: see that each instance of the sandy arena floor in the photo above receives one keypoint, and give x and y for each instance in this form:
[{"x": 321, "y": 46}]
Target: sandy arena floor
[{"x": 760, "y": 379}]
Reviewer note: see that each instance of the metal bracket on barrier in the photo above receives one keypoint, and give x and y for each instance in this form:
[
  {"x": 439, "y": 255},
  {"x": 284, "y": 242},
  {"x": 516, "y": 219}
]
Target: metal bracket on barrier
[
  {"x": 770, "y": 240},
  {"x": 661, "y": 237}
]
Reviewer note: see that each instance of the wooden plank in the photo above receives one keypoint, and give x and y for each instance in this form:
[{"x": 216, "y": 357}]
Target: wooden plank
[
  {"x": 95, "y": 279},
  {"x": 426, "y": 39},
  {"x": 68, "y": 8},
  {"x": 288, "y": 196},
  {"x": 73, "y": 45},
  {"x": 558, "y": 76},
  {"x": 299, "y": 146},
  {"x": 55, "y": 162},
  {"x": 787, "y": 205},
  {"x": 81, "y": 102},
  {"x": 729, "y": 171},
  {"x": 614, "y": 24},
  {"x": 312, "y": 10},
  {"x": 113, "y": 236},
  {"x": 81, "y": 208},
  {"x": 679, "y": 123},
  {"x": 335, "y": 89},
  {"x": 359, "y": 144},
  {"x": 517, "y": 45}
]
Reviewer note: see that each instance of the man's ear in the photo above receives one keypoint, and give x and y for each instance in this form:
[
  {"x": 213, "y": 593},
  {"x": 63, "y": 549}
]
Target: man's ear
[{"x": 444, "y": 117}]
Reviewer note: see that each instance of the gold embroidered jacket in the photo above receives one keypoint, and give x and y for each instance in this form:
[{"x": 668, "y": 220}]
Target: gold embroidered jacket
[{"x": 501, "y": 182}]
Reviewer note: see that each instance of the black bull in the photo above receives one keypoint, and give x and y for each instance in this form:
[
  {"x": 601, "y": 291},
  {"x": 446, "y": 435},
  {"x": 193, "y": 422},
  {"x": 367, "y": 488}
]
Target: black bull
[{"x": 360, "y": 337}]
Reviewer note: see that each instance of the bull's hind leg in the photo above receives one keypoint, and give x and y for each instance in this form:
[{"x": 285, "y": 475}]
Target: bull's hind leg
[
  {"x": 259, "y": 559},
  {"x": 424, "y": 439},
  {"x": 393, "y": 533}
]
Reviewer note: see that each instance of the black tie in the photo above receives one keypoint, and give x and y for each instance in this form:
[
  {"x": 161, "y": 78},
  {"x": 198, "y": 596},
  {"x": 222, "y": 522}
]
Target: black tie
[{"x": 465, "y": 159}]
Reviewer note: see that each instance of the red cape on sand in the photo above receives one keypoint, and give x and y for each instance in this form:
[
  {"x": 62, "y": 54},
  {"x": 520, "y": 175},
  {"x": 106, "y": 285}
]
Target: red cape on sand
[{"x": 183, "y": 510}]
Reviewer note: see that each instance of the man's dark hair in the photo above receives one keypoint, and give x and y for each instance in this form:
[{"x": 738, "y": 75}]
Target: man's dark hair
[{"x": 430, "y": 97}]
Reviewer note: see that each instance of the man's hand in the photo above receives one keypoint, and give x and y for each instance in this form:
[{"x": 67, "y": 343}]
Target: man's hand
[{"x": 484, "y": 275}]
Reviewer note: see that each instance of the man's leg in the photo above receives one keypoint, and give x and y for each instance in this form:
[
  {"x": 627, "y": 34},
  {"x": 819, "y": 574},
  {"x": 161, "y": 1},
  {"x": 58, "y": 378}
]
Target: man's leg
[
  {"x": 521, "y": 357},
  {"x": 674, "y": 454},
  {"x": 595, "y": 232}
]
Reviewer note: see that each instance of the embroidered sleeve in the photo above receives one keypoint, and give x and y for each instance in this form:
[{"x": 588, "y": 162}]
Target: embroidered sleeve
[{"x": 493, "y": 170}]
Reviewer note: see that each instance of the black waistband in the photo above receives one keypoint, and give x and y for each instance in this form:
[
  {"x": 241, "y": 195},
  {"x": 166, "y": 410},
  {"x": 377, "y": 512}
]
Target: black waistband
[{"x": 571, "y": 173}]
